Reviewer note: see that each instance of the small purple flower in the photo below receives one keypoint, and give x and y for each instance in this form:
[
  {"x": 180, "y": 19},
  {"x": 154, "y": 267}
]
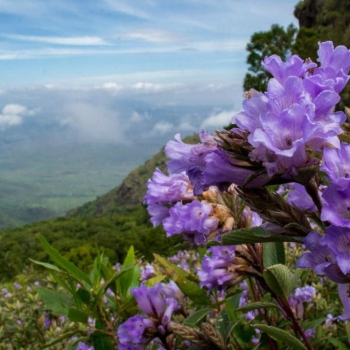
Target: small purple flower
[
  {"x": 193, "y": 220},
  {"x": 298, "y": 197},
  {"x": 216, "y": 270},
  {"x": 132, "y": 331},
  {"x": 184, "y": 156},
  {"x": 83, "y": 346},
  {"x": 5, "y": 292},
  {"x": 47, "y": 323},
  {"x": 344, "y": 292},
  {"x": 299, "y": 296},
  {"x": 17, "y": 286},
  {"x": 335, "y": 65},
  {"x": 294, "y": 66},
  {"x": 336, "y": 164},
  {"x": 221, "y": 170},
  {"x": 337, "y": 239},
  {"x": 154, "y": 301},
  {"x": 336, "y": 208},
  {"x": 147, "y": 272},
  {"x": 310, "y": 333},
  {"x": 168, "y": 189},
  {"x": 319, "y": 258}
]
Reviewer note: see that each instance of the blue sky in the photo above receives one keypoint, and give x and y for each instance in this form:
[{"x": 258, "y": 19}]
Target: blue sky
[
  {"x": 104, "y": 67},
  {"x": 84, "y": 42}
]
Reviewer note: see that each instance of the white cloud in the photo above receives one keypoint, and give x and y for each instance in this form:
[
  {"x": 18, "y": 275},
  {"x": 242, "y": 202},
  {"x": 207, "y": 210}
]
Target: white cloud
[
  {"x": 151, "y": 87},
  {"x": 186, "y": 126},
  {"x": 162, "y": 128},
  {"x": 218, "y": 120},
  {"x": 14, "y": 109},
  {"x": 74, "y": 40},
  {"x": 153, "y": 36},
  {"x": 94, "y": 122},
  {"x": 12, "y": 114},
  {"x": 136, "y": 117},
  {"x": 125, "y": 6}
]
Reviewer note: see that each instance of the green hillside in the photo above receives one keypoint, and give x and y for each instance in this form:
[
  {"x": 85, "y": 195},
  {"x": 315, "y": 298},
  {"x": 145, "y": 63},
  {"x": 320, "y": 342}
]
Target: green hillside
[{"x": 110, "y": 223}]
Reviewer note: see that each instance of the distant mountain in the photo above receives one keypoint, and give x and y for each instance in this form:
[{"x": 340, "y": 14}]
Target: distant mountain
[{"x": 131, "y": 191}]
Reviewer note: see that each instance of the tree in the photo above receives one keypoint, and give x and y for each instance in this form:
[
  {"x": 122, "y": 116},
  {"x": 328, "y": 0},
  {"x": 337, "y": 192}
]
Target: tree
[{"x": 275, "y": 41}]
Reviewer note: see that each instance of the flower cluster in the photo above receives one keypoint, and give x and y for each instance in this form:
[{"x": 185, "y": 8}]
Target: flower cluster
[
  {"x": 158, "y": 304},
  {"x": 286, "y": 135}
]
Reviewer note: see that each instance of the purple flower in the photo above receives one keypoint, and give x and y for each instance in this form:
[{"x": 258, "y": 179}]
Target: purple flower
[
  {"x": 294, "y": 66},
  {"x": 310, "y": 333},
  {"x": 299, "y": 296},
  {"x": 221, "y": 169},
  {"x": 288, "y": 128},
  {"x": 337, "y": 239},
  {"x": 336, "y": 164},
  {"x": 216, "y": 270},
  {"x": 147, "y": 272},
  {"x": 319, "y": 258},
  {"x": 298, "y": 197},
  {"x": 158, "y": 213},
  {"x": 184, "y": 157},
  {"x": 154, "y": 301},
  {"x": 344, "y": 290},
  {"x": 335, "y": 65},
  {"x": 168, "y": 189},
  {"x": 17, "y": 286},
  {"x": 336, "y": 208},
  {"x": 194, "y": 220},
  {"x": 83, "y": 346},
  {"x": 253, "y": 108},
  {"x": 132, "y": 331},
  {"x": 5, "y": 292}
]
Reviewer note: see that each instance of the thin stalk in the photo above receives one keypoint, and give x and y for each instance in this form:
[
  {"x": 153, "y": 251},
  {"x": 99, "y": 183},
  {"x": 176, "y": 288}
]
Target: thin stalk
[
  {"x": 312, "y": 190},
  {"x": 296, "y": 325}
]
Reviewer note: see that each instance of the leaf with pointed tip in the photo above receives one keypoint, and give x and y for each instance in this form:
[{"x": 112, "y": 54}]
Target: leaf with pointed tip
[
  {"x": 198, "y": 316},
  {"x": 258, "y": 305},
  {"x": 273, "y": 253},
  {"x": 277, "y": 278},
  {"x": 255, "y": 235},
  {"x": 64, "y": 263},
  {"x": 281, "y": 335}
]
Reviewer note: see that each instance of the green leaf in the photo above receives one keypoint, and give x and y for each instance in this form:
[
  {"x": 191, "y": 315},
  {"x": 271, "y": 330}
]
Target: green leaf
[
  {"x": 101, "y": 341},
  {"x": 227, "y": 320},
  {"x": 61, "y": 282},
  {"x": 277, "y": 278},
  {"x": 64, "y": 263},
  {"x": 174, "y": 269},
  {"x": 47, "y": 265},
  {"x": 193, "y": 291},
  {"x": 115, "y": 277},
  {"x": 185, "y": 281},
  {"x": 126, "y": 280},
  {"x": 294, "y": 281},
  {"x": 281, "y": 335},
  {"x": 58, "y": 302},
  {"x": 312, "y": 324},
  {"x": 76, "y": 315},
  {"x": 255, "y": 235},
  {"x": 84, "y": 295},
  {"x": 155, "y": 280},
  {"x": 338, "y": 344},
  {"x": 196, "y": 317},
  {"x": 60, "y": 339},
  {"x": 273, "y": 253},
  {"x": 258, "y": 305}
]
